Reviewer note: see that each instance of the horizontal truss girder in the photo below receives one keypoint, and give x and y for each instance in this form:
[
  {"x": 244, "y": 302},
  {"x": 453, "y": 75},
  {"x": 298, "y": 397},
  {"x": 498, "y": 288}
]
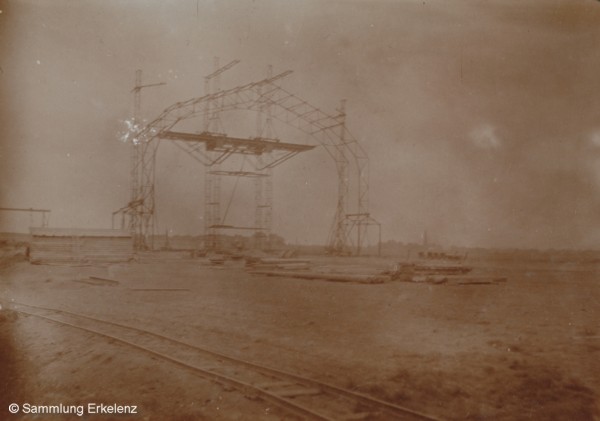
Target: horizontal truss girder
[
  {"x": 232, "y": 227},
  {"x": 239, "y": 173},
  {"x": 223, "y": 143}
]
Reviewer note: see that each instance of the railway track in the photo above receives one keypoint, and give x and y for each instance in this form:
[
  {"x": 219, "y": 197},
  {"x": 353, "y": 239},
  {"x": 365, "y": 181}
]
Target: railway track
[{"x": 301, "y": 396}]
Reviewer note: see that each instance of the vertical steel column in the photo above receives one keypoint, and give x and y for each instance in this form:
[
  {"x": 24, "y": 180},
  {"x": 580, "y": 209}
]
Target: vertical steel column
[
  {"x": 216, "y": 207},
  {"x": 212, "y": 205},
  {"x": 144, "y": 211},
  {"x": 143, "y": 160},
  {"x": 212, "y": 183},
  {"x": 263, "y": 185},
  {"x": 136, "y": 165},
  {"x": 259, "y": 240},
  {"x": 208, "y": 217},
  {"x": 362, "y": 164},
  {"x": 209, "y": 232},
  {"x": 268, "y": 182},
  {"x": 337, "y": 241},
  {"x": 268, "y": 208}
]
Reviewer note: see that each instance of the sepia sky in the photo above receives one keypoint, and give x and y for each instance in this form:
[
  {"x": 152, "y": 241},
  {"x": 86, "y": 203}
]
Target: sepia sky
[{"x": 481, "y": 119}]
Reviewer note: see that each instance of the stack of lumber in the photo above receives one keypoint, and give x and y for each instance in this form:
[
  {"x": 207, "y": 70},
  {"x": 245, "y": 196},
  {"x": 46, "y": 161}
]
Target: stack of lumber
[
  {"x": 335, "y": 277},
  {"x": 268, "y": 263}
]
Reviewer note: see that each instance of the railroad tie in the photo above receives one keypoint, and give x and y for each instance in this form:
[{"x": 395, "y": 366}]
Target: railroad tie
[
  {"x": 270, "y": 385},
  {"x": 292, "y": 393},
  {"x": 356, "y": 416}
]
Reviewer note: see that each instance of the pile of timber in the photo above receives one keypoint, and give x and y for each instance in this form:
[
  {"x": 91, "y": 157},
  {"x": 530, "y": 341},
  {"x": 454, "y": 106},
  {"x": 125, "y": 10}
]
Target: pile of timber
[
  {"x": 269, "y": 263},
  {"x": 439, "y": 273},
  {"x": 217, "y": 260},
  {"x": 414, "y": 271},
  {"x": 480, "y": 280},
  {"x": 334, "y": 277}
]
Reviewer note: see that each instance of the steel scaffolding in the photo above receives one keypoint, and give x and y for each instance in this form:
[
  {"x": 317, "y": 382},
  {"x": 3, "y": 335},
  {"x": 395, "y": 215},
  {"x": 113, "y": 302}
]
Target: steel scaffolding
[
  {"x": 138, "y": 214},
  {"x": 212, "y": 148}
]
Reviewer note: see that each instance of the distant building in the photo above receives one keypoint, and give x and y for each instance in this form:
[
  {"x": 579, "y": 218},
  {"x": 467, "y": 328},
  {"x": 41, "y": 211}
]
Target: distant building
[{"x": 73, "y": 245}]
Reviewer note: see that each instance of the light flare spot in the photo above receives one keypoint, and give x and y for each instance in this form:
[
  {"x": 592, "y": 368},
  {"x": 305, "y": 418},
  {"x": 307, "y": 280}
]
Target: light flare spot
[
  {"x": 595, "y": 139},
  {"x": 485, "y": 137}
]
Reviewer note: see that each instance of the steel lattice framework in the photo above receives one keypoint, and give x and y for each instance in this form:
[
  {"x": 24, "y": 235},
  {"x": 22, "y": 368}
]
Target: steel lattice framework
[{"x": 328, "y": 130}]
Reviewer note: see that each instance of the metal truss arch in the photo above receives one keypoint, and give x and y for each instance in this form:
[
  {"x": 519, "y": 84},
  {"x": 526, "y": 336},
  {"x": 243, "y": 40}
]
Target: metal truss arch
[{"x": 326, "y": 129}]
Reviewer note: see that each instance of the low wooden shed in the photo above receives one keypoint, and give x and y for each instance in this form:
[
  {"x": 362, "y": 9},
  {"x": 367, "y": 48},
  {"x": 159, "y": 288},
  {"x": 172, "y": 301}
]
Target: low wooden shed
[{"x": 74, "y": 245}]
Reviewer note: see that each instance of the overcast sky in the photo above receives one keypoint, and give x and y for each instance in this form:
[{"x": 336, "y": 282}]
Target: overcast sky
[{"x": 481, "y": 119}]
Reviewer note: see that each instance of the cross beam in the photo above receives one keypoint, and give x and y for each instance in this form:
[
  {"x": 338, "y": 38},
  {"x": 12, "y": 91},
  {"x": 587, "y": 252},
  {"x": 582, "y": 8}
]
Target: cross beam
[{"x": 223, "y": 143}]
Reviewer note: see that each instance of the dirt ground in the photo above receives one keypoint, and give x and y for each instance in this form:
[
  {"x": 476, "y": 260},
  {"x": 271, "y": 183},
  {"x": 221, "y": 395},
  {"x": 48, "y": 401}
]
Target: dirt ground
[{"x": 527, "y": 349}]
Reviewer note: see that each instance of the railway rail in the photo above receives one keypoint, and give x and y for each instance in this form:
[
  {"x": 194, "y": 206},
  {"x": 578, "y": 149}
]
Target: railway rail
[{"x": 304, "y": 397}]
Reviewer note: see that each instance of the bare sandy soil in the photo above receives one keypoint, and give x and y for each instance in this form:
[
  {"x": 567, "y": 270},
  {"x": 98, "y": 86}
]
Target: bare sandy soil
[{"x": 525, "y": 349}]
